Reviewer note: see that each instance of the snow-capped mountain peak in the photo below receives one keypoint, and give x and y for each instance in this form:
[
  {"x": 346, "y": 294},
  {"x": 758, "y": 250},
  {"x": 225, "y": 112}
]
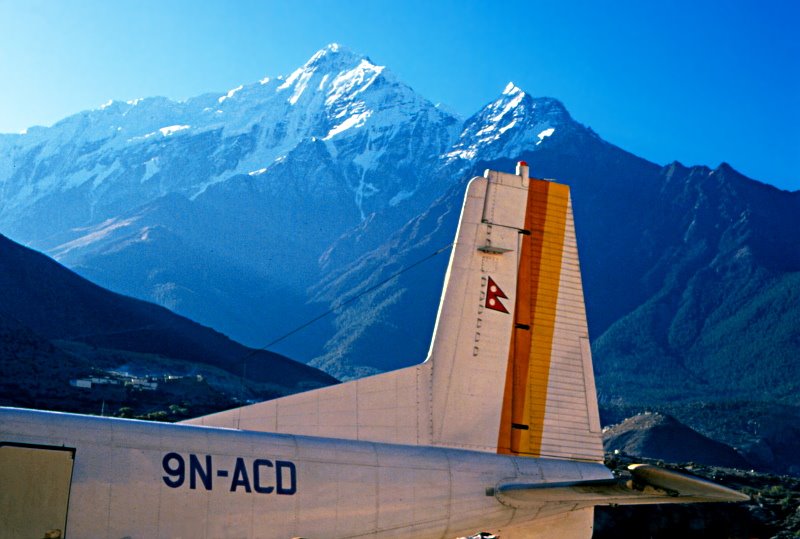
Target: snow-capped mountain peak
[
  {"x": 512, "y": 122},
  {"x": 334, "y": 57},
  {"x": 338, "y": 100},
  {"x": 335, "y": 71},
  {"x": 138, "y": 150},
  {"x": 511, "y": 89}
]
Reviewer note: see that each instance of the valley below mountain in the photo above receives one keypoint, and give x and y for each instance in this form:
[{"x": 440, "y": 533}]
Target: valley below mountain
[{"x": 69, "y": 345}]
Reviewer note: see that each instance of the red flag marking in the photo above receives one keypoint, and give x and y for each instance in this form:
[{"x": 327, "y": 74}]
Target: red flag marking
[{"x": 493, "y": 296}]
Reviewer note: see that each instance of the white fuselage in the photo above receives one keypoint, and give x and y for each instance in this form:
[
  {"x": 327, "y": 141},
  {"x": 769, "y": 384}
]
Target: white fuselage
[{"x": 138, "y": 479}]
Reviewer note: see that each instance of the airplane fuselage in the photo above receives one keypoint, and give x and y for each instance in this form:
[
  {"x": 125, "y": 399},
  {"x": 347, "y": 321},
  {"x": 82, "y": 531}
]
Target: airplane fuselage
[{"x": 141, "y": 479}]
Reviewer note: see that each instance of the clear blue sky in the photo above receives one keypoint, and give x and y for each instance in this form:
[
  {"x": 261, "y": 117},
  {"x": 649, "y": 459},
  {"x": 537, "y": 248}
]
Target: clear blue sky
[{"x": 693, "y": 81}]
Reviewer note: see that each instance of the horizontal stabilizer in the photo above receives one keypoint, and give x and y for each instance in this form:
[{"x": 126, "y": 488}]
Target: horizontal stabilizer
[{"x": 648, "y": 485}]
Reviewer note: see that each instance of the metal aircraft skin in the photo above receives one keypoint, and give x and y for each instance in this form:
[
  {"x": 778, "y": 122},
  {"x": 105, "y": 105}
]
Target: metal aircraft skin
[{"x": 498, "y": 430}]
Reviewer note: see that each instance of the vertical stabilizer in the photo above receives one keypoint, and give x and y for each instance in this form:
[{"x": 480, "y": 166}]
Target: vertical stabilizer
[
  {"x": 509, "y": 369},
  {"x": 512, "y": 368}
]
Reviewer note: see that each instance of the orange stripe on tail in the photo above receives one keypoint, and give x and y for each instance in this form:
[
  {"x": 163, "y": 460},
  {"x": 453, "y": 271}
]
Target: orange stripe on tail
[{"x": 525, "y": 396}]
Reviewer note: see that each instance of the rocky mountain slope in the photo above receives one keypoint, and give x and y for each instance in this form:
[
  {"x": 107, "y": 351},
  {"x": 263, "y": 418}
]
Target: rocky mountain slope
[
  {"x": 661, "y": 437},
  {"x": 55, "y": 326}
]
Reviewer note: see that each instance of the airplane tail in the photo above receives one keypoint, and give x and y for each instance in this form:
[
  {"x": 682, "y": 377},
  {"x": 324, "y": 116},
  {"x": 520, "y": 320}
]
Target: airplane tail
[{"x": 509, "y": 368}]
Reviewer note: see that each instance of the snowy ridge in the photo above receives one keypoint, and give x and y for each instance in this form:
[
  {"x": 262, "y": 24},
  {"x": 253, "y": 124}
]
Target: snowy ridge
[
  {"x": 230, "y": 94},
  {"x": 171, "y": 129},
  {"x": 382, "y": 134},
  {"x": 333, "y": 97},
  {"x": 513, "y": 123}
]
